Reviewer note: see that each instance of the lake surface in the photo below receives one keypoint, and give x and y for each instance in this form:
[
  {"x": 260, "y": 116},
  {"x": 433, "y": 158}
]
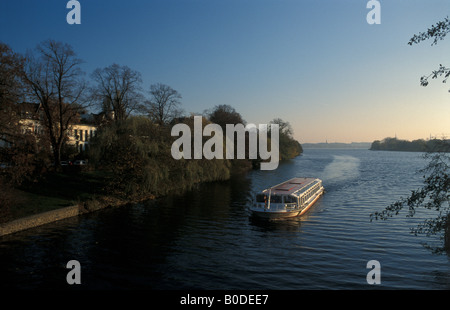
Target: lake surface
[{"x": 205, "y": 239}]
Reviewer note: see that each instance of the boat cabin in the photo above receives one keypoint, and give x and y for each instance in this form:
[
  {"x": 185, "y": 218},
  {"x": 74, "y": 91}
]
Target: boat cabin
[{"x": 295, "y": 191}]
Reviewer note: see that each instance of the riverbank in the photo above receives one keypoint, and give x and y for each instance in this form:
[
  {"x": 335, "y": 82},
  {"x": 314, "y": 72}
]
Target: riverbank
[
  {"x": 71, "y": 193},
  {"x": 67, "y": 194},
  {"x": 58, "y": 196},
  {"x": 43, "y": 218},
  {"x": 54, "y": 191}
]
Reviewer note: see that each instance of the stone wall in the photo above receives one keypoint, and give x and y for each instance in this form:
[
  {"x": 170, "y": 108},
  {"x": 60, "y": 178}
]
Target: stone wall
[
  {"x": 38, "y": 219},
  {"x": 91, "y": 205}
]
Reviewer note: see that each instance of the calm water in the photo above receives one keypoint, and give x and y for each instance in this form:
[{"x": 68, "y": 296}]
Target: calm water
[{"x": 205, "y": 239}]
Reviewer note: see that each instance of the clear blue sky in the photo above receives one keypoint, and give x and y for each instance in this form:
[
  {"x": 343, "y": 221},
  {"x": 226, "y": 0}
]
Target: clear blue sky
[{"x": 317, "y": 64}]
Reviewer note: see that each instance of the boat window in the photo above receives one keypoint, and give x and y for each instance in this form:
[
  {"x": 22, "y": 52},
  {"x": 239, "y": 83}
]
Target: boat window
[
  {"x": 265, "y": 198},
  {"x": 275, "y": 199},
  {"x": 261, "y": 198},
  {"x": 289, "y": 199}
]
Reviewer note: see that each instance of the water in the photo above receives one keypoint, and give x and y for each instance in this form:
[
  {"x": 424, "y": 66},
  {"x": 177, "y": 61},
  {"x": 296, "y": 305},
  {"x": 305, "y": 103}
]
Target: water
[{"x": 205, "y": 239}]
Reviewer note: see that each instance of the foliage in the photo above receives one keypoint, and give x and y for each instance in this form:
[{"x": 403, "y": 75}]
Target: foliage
[
  {"x": 420, "y": 145},
  {"x": 137, "y": 152},
  {"x": 438, "y": 32},
  {"x": 289, "y": 147},
  {"x": 225, "y": 114},
  {"x": 21, "y": 158},
  {"x": 11, "y": 92}
]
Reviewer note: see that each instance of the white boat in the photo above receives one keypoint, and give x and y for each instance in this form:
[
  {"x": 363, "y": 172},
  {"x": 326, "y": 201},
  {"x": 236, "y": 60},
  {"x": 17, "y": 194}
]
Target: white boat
[{"x": 288, "y": 199}]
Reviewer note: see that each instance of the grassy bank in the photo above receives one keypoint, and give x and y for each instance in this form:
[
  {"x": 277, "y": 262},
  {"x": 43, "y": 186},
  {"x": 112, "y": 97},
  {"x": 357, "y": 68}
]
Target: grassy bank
[{"x": 56, "y": 190}]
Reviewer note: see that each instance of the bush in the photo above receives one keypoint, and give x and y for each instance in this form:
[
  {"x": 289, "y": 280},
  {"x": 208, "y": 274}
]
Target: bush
[{"x": 137, "y": 152}]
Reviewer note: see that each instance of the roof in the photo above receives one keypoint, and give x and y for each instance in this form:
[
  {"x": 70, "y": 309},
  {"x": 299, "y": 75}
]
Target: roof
[{"x": 290, "y": 186}]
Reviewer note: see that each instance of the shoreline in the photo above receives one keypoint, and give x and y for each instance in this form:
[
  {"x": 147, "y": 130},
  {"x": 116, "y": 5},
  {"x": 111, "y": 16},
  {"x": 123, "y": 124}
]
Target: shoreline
[
  {"x": 51, "y": 216},
  {"x": 92, "y": 203}
]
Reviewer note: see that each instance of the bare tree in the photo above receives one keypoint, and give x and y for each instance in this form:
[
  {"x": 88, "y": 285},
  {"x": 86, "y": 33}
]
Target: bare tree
[
  {"x": 54, "y": 79},
  {"x": 164, "y": 103},
  {"x": 11, "y": 93},
  {"x": 117, "y": 90}
]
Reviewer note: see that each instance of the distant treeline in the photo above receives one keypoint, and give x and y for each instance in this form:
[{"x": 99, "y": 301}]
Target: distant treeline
[
  {"x": 420, "y": 145},
  {"x": 337, "y": 145}
]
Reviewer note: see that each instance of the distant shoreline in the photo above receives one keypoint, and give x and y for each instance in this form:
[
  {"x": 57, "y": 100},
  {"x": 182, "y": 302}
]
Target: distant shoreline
[
  {"x": 420, "y": 145},
  {"x": 337, "y": 145}
]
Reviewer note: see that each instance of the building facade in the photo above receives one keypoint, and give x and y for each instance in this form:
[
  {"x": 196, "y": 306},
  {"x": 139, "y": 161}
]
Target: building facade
[
  {"x": 31, "y": 122},
  {"x": 79, "y": 135}
]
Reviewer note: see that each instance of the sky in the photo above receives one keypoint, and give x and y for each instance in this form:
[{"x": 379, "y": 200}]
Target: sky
[{"x": 317, "y": 64}]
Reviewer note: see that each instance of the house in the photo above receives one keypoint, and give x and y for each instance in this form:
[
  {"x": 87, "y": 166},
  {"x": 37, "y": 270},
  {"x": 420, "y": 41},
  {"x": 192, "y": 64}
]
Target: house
[
  {"x": 29, "y": 117},
  {"x": 79, "y": 134}
]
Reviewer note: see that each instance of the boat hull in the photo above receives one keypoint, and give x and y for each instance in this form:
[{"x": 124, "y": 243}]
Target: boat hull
[{"x": 271, "y": 215}]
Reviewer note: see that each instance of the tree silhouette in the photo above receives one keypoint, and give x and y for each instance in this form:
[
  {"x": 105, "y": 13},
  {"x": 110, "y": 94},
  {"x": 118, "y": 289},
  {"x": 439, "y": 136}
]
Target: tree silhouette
[
  {"x": 117, "y": 90},
  {"x": 435, "y": 193},
  {"x": 164, "y": 103},
  {"x": 54, "y": 78}
]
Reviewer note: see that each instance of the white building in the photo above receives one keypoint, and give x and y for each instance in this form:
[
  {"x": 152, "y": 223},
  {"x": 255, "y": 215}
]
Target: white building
[
  {"x": 31, "y": 117},
  {"x": 79, "y": 135}
]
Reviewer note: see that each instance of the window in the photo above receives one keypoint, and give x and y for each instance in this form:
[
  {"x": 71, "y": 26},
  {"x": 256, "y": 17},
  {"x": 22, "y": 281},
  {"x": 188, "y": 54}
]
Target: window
[
  {"x": 289, "y": 199},
  {"x": 261, "y": 198},
  {"x": 275, "y": 199},
  {"x": 265, "y": 198}
]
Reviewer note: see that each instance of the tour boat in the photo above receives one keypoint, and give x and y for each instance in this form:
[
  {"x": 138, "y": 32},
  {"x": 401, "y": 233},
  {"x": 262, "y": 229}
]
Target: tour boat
[{"x": 288, "y": 199}]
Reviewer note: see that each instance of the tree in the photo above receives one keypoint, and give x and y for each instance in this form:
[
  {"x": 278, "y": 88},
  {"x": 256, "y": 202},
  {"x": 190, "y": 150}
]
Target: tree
[
  {"x": 11, "y": 93},
  {"x": 11, "y": 66},
  {"x": 54, "y": 79},
  {"x": 285, "y": 127},
  {"x": 435, "y": 193},
  {"x": 18, "y": 145},
  {"x": 164, "y": 103},
  {"x": 436, "y": 32},
  {"x": 225, "y": 114},
  {"x": 118, "y": 90},
  {"x": 288, "y": 146},
  {"x": 137, "y": 153},
  {"x": 394, "y": 144}
]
